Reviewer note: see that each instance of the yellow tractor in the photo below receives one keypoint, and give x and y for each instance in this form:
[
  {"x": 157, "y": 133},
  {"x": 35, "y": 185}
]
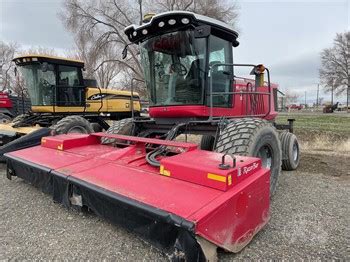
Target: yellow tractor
[{"x": 62, "y": 102}]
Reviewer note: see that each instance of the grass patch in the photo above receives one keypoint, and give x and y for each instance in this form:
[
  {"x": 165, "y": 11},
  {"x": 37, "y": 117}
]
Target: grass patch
[{"x": 323, "y": 122}]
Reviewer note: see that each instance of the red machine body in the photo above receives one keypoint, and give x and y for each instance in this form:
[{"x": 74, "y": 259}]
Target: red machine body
[
  {"x": 243, "y": 104},
  {"x": 5, "y": 101},
  {"x": 224, "y": 206}
]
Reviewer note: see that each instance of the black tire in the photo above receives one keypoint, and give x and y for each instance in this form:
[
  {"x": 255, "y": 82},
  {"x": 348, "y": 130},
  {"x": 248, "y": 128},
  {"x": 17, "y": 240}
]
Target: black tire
[
  {"x": 73, "y": 124},
  {"x": 207, "y": 142},
  {"x": 290, "y": 151},
  {"x": 121, "y": 127},
  {"x": 253, "y": 137},
  {"x": 4, "y": 118}
]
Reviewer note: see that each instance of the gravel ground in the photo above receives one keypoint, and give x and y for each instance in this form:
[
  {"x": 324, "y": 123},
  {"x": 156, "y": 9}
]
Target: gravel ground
[{"x": 310, "y": 220}]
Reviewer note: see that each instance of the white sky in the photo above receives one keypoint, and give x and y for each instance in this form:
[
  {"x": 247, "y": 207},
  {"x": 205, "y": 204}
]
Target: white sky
[{"x": 286, "y": 36}]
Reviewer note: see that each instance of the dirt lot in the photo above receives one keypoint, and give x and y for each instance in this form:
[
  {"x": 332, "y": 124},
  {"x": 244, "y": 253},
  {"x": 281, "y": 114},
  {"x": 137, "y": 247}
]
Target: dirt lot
[{"x": 310, "y": 216}]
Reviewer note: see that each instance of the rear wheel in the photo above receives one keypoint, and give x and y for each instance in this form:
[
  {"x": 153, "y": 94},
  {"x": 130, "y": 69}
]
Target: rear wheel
[
  {"x": 253, "y": 137},
  {"x": 121, "y": 127},
  {"x": 73, "y": 124},
  {"x": 290, "y": 151},
  {"x": 207, "y": 142}
]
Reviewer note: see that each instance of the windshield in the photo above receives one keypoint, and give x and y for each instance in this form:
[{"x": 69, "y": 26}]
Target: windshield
[
  {"x": 174, "y": 67},
  {"x": 39, "y": 83}
]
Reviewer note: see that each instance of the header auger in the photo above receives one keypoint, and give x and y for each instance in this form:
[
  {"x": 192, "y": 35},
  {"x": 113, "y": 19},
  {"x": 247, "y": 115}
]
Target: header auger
[{"x": 185, "y": 198}]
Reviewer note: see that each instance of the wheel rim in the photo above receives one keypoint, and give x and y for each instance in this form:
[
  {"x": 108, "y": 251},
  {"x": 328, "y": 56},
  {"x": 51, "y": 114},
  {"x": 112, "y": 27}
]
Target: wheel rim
[
  {"x": 265, "y": 154},
  {"x": 77, "y": 130},
  {"x": 295, "y": 151}
]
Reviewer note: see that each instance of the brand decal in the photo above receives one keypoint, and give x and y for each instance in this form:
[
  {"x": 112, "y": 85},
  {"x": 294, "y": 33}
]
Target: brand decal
[
  {"x": 247, "y": 169},
  {"x": 97, "y": 96}
]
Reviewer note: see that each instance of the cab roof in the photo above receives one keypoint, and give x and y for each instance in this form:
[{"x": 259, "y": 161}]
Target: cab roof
[
  {"x": 161, "y": 23},
  {"x": 25, "y": 59}
]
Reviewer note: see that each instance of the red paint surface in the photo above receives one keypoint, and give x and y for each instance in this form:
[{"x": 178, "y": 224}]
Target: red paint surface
[
  {"x": 243, "y": 105},
  {"x": 223, "y": 214},
  {"x": 5, "y": 101}
]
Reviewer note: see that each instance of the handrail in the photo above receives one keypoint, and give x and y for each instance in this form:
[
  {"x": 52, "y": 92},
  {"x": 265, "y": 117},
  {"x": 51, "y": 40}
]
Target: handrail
[{"x": 211, "y": 93}]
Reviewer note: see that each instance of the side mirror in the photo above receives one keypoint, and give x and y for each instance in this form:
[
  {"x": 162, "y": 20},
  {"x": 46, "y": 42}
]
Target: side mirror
[{"x": 125, "y": 52}]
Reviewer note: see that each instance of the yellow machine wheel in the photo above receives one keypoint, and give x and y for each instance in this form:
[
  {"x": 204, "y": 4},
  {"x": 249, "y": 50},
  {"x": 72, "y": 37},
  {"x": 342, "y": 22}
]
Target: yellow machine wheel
[{"x": 73, "y": 124}]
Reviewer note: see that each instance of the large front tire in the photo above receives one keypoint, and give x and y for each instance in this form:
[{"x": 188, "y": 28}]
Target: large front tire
[
  {"x": 73, "y": 124},
  {"x": 253, "y": 137}
]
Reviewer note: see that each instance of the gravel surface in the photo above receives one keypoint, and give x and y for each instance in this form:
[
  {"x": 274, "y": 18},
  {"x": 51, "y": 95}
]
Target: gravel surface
[{"x": 310, "y": 220}]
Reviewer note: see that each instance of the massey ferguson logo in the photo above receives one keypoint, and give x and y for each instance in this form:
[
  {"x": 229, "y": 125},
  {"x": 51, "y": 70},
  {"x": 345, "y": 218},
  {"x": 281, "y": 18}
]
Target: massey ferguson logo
[{"x": 245, "y": 170}]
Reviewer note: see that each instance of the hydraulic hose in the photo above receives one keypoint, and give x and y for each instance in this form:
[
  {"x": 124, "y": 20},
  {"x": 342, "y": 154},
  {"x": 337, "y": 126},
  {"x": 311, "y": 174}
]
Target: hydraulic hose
[{"x": 151, "y": 156}]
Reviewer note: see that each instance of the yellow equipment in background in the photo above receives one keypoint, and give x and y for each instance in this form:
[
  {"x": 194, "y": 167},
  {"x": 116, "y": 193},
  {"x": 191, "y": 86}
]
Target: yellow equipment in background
[
  {"x": 62, "y": 100},
  {"x": 56, "y": 85}
]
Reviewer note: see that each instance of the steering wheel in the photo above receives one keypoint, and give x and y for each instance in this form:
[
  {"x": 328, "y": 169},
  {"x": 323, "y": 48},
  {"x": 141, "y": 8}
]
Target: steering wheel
[
  {"x": 179, "y": 68},
  {"x": 44, "y": 83}
]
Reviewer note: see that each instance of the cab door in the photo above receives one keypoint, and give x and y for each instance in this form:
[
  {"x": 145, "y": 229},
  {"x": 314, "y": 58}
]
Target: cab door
[
  {"x": 220, "y": 52},
  {"x": 70, "y": 90}
]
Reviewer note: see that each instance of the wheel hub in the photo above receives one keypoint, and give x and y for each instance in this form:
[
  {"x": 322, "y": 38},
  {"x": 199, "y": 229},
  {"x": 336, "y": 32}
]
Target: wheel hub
[{"x": 265, "y": 154}]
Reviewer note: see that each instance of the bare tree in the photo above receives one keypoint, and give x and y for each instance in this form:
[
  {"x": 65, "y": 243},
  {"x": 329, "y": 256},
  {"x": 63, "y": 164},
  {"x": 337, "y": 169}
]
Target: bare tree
[
  {"x": 225, "y": 11},
  {"x": 11, "y": 81},
  {"x": 38, "y": 50},
  {"x": 98, "y": 26},
  {"x": 103, "y": 22},
  {"x": 7, "y": 53},
  {"x": 335, "y": 71},
  {"x": 99, "y": 61},
  {"x": 291, "y": 97}
]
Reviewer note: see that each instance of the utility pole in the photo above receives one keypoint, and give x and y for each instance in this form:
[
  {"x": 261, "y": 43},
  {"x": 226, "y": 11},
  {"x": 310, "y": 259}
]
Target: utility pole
[
  {"x": 305, "y": 100},
  {"x": 318, "y": 91}
]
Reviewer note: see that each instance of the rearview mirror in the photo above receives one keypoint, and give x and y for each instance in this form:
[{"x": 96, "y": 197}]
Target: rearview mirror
[{"x": 125, "y": 52}]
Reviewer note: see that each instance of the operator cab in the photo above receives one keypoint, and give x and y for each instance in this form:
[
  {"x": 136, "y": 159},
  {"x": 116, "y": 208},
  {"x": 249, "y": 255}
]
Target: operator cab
[
  {"x": 52, "y": 81},
  {"x": 177, "y": 49}
]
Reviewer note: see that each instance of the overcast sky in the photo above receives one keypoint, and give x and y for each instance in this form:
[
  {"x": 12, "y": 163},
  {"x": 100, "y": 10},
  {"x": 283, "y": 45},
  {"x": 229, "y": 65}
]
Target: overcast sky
[{"x": 286, "y": 36}]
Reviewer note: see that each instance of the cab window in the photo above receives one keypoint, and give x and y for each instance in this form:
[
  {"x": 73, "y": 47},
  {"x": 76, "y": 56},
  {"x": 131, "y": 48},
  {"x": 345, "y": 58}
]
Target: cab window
[
  {"x": 68, "y": 76},
  {"x": 70, "y": 91},
  {"x": 220, "y": 52}
]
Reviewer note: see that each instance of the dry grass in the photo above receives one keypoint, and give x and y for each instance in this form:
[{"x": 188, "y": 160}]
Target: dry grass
[
  {"x": 326, "y": 143},
  {"x": 322, "y": 143}
]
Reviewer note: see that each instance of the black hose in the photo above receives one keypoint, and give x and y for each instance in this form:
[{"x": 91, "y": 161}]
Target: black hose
[{"x": 151, "y": 156}]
